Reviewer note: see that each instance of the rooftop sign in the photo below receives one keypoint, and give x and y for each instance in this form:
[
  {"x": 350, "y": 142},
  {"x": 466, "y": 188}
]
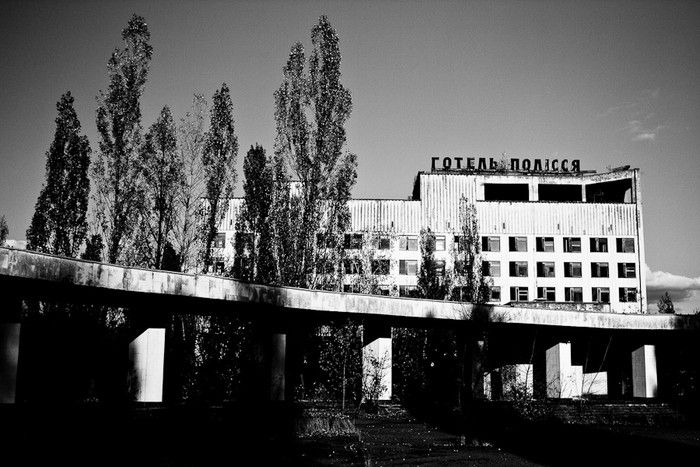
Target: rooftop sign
[{"x": 511, "y": 164}]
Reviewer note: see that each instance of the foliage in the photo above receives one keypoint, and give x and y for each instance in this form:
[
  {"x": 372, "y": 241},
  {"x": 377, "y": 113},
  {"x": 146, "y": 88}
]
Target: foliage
[
  {"x": 253, "y": 243},
  {"x": 4, "y": 230},
  {"x": 665, "y": 304},
  {"x": 340, "y": 354},
  {"x": 467, "y": 273},
  {"x": 219, "y": 162},
  {"x": 430, "y": 284},
  {"x": 162, "y": 174},
  {"x": 93, "y": 248},
  {"x": 188, "y": 213},
  {"x": 118, "y": 186},
  {"x": 375, "y": 368},
  {"x": 59, "y": 223},
  {"x": 311, "y": 108}
]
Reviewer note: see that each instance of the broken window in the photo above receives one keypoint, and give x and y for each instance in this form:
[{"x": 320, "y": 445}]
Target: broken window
[
  {"x": 599, "y": 245},
  {"x": 573, "y": 294},
  {"x": 562, "y": 193},
  {"x": 408, "y": 267},
  {"x": 544, "y": 244},
  {"x": 518, "y": 294},
  {"x": 572, "y": 269},
  {"x": 491, "y": 268},
  {"x": 517, "y": 243},
  {"x": 626, "y": 270},
  {"x": 545, "y": 269},
  {"x": 616, "y": 191},
  {"x": 628, "y": 294},
  {"x": 600, "y": 294},
  {"x": 547, "y": 294},
  {"x": 380, "y": 267},
  {"x": 506, "y": 192},
  {"x": 599, "y": 270},
  {"x": 625, "y": 245},
  {"x": 491, "y": 243},
  {"x": 518, "y": 268},
  {"x": 572, "y": 244}
]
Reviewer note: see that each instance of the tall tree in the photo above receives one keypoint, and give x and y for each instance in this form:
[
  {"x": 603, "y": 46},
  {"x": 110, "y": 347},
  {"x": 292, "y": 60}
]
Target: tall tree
[
  {"x": 4, "y": 230},
  {"x": 117, "y": 177},
  {"x": 311, "y": 108},
  {"x": 191, "y": 135},
  {"x": 468, "y": 274},
  {"x": 430, "y": 284},
  {"x": 253, "y": 233},
  {"x": 59, "y": 223},
  {"x": 162, "y": 173},
  {"x": 219, "y": 159}
]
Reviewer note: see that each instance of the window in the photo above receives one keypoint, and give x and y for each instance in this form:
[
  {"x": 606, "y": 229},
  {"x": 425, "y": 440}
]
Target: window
[
  {"x": 352, "y": 266},
  {"x": 220, "y": 240},
  {"x": 408, "y": 267},
  {"x": 458, "y": 247},
  {"x": 380, "y": 267},
  {"x": 625, "y": 245},
  {"x": 628, "y": 294},
  {"x": 384, "y": 243},
  {"x": 491, "y": 243},
  {"x": 573, "y": 294},
  {"x": 408, "y": 243},
  {"x": 572, "y": 244},
  {"x": 572, "y": 269},
  {"x": 439, "y": 243},
  {"x": 599, "y": 245},
  {"x": 545, "y": 269},
  {"x": 495, "y": 294},
  {"x": 518, "y": 269},
  {"x": 353, "y": 241},
  {"x": 384, "y": 291},
  {"x": 600, "y": 294},
  {"x": 351, "y": 288},
  {"x": 408, "y": 291},
  {"x": 546, "y": 293},
  {"x": 517, "y": 243},
  {"x": 440, "y": 267},
  {"x": 599, "y": 270},
  {"x": 626, "y": 270},
  {"x": 491, "y": 268},
  {"x": 518, "y": 294},
  {"x": 322, "y": 241},
  {"x": 545, "y": 244},
  {"x": 219, "y": 267}
]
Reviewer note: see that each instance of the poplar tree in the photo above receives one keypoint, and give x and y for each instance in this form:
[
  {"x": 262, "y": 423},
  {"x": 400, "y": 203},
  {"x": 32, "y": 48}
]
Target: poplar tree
[
  {"x": 118, "y": 185},
  {"x": 59, "y": 223},
  {"x": 162, "y": 175},
  {"x": 4, "y": 230},
  {"x": 219, "y": 159},
  {"x": 311, "y": 109},
  {"x": 468, "y": 267}
]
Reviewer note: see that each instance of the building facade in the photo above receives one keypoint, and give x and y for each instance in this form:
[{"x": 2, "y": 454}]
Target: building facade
[{"x": 549, "y": 238}]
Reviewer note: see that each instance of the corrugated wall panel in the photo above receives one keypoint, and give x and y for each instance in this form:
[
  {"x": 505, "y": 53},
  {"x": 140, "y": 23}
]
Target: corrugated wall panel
[{"x": 385, "y": 215}]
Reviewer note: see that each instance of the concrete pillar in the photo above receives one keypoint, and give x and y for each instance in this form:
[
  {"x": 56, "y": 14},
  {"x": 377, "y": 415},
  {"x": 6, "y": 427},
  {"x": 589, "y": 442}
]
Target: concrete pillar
[
  {"x": 644, "y": 381},
  {"x": 278, "y": 357},
  {"x": 147, "y": 358},
  {"x": 9, "y": 356},
  {"x": 376, "y": 361},
  {"x": 478, "y": 354},
  {"x": 563, "y": 380},
  {"x": 595, "y": 384},
  {"x": 516, "y": 380}
]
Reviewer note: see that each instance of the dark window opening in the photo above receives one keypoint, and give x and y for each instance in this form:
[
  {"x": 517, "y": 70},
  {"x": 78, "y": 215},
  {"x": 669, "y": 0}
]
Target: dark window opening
[
  {"x": 545, "y": 244},
  {"x": 518, "y": 294},
  {"x": 626, "y": 270},
  {"x": 408, "y": 291},
  {"x": 384, "y": 243},
  {"x": 628, "y": 294},
  {"x": 601, "y": 294},
  {"x": 491, "y": 243},
  {"x": 353, "y": 241},
  {"x": 545, "y": 269},
  {"x": 517, "y": 243},
  {"x": 518, "y": 269},
  {"x": 599, "y": 270},
  {"x": 599, "y": 245},
  {"x": 573, "y": 294},
  {"x": 506, "y": 192},
  {"x": 625, "y": 245},
  {"x": 617, "y": 191},
  {"x": 572, "y": 269},
  {"x": 560, "y": 193},
  {"x": 572, "y": 245},
  {"x": 491, "y": 268},
  {"x": 547, "y": 294},
  {"x": 352, "y": 266},
  {"x": 380, "y": 267}
]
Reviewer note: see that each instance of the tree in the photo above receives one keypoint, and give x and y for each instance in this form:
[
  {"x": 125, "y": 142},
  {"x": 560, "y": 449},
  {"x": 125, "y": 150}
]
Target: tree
[
  {"x": 118, "y": 185},
  {"x": 219, "y": 159},
  {"x": 188, "y": 217},
  {"x": 253, "y": 240},
  {"x": 59, "y": 223},
  {"x": 93, "y": 248},
  {"x": 311, "y": 108},
  {"x": 4, "y": 230},
  {"x": 467, "y": 272},
  {"x": 162, "y": 173},
  {"x": 430, "y": 284},
  {"x": 665, "y": 304}
]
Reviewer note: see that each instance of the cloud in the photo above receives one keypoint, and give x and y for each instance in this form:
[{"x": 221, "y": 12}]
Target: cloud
[
  {"x": 642, "y": 123},
  {"x": 680, "y": 288},
  {"x": 641, "y": 132},
  {"x": 644, "y": 137}
]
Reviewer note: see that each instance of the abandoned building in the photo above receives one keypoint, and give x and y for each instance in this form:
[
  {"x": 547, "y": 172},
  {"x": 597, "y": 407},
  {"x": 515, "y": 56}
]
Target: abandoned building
[{"x": 552, "y": 236}]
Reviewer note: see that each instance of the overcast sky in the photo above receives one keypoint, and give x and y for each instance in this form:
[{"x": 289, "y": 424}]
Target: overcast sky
[{"x": 610, "y": 83}]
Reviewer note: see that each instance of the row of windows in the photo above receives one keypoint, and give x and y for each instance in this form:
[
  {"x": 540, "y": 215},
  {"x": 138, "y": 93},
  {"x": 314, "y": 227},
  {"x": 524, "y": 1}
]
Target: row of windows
[
  {"x": 574, "y": 294},
  {"x": 546, "y": 244},
  {"x": 547, "y": 269}
]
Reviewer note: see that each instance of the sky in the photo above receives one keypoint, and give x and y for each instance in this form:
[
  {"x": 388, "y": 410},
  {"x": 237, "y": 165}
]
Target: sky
[{"x": 611, "y": 83}]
